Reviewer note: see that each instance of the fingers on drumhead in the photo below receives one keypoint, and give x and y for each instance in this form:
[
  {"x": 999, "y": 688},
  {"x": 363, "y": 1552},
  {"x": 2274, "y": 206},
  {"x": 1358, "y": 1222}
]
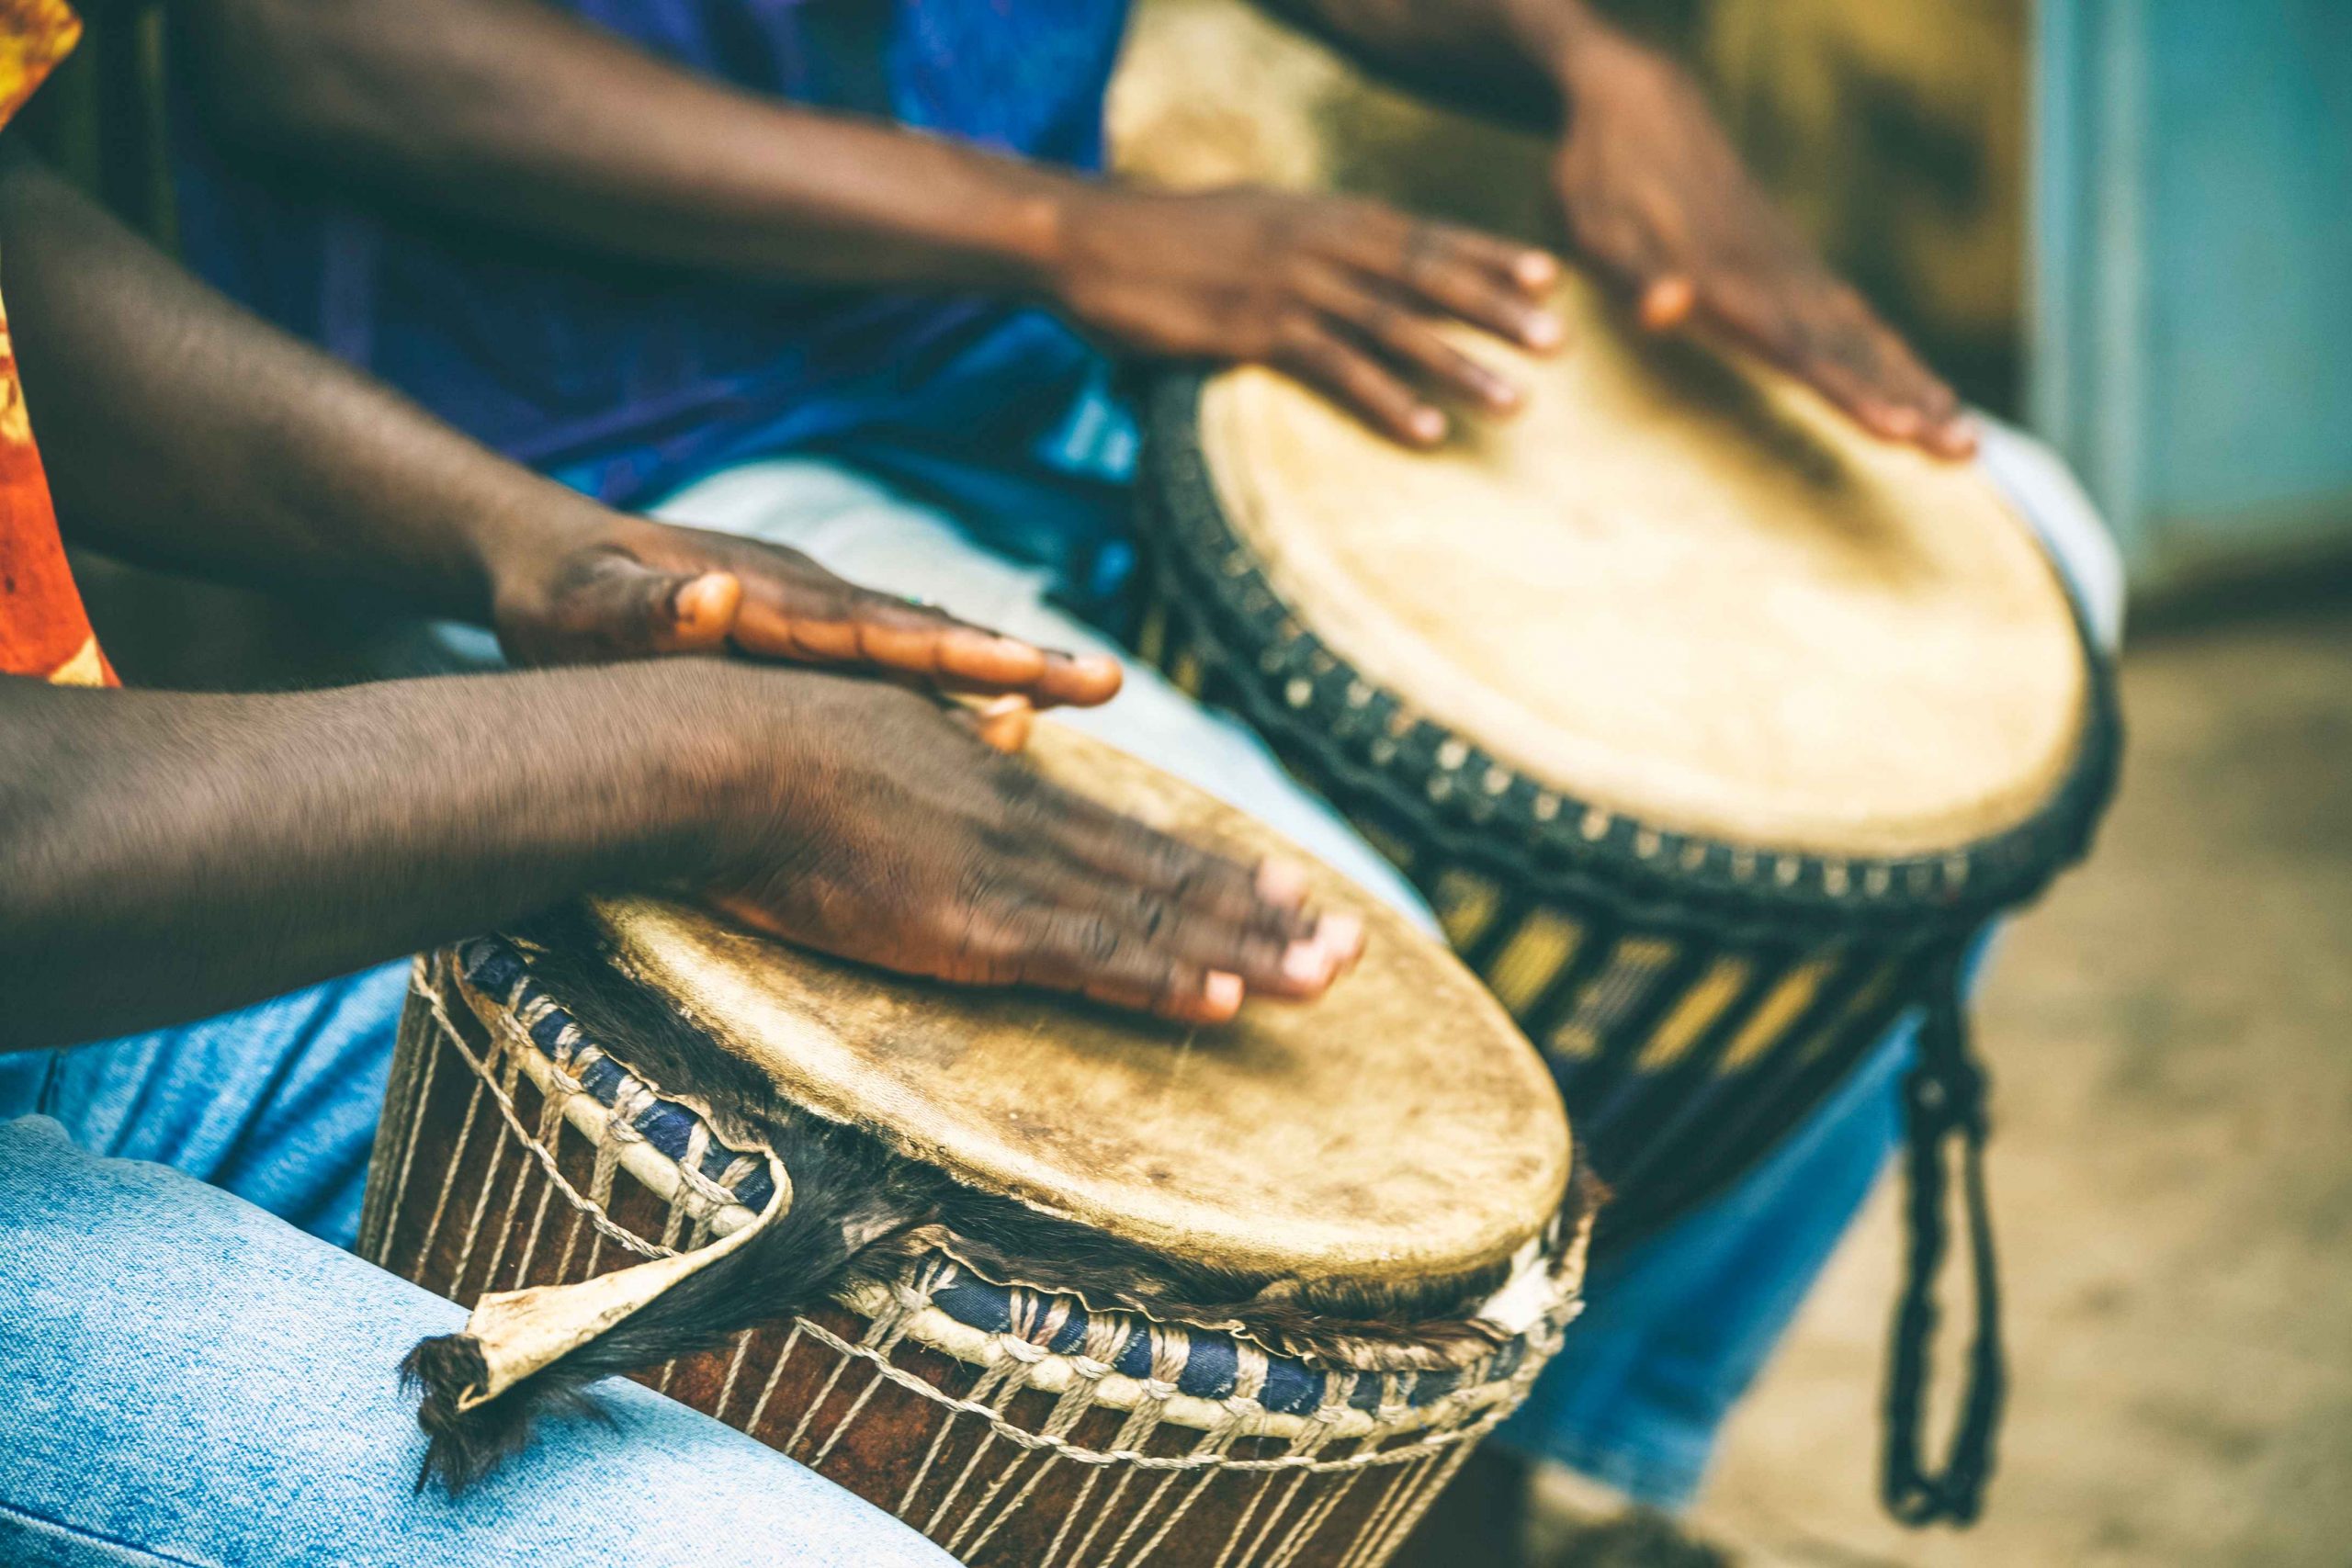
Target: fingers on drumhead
[
  {"x": 1164, "y": 920},
  {"x": 1099, "y": 952}
]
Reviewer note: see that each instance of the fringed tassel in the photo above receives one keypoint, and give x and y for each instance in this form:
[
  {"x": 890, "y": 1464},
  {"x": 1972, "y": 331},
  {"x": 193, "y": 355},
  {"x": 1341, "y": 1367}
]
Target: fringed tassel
[
  {"x": 1944, "y": 1094},
  {"x": 526, "y": 1353}
]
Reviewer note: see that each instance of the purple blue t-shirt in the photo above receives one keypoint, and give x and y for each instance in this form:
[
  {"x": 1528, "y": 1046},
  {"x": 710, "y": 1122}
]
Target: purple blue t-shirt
[{"x": 629, "y": 382}]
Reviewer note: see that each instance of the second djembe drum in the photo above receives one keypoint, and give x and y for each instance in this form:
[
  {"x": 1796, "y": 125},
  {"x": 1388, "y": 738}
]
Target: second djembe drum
[{"x": 1715, "y": 730}]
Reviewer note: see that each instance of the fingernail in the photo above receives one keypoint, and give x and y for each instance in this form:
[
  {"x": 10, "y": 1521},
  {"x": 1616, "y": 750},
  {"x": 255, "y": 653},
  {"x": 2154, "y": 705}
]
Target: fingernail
[
  {"x": 1221, "y": 993},
  {"x": 1282, "y": 882},
  {"x": 1535, "y": 269},
  {"x": 700, "y": 598},
  {"x": 1668, "y": 303},
  {"x": 1543, "y": 332},
  {"x": 1902, "y": 424},
  {"x": 1427, "y": 424},
  {"x": 1502, "y": 394},
  {"x": 1307, "y": 962},
  {"x": 1340, "y": 934}
]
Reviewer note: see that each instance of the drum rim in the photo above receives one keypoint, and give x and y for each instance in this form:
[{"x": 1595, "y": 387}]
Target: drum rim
[{"x": 1482, "y": 812}]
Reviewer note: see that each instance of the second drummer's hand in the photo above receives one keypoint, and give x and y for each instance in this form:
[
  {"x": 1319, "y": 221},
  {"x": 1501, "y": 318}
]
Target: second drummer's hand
[
  {"x": 887, "y": 832},
  {"x": 1346, "y": 296},
  {"x": 1654, "y": 194}
]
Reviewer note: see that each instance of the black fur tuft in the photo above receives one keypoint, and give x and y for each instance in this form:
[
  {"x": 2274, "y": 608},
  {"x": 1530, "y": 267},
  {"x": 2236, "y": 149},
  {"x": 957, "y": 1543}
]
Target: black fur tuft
[
  {"x": 841, "y": 1214},
  {"x": 462, "y": 1448}
]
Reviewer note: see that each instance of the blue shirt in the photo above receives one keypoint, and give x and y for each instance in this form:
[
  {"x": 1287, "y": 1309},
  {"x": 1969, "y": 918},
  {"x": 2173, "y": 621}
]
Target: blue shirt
[{"x": 629, "y": 382}]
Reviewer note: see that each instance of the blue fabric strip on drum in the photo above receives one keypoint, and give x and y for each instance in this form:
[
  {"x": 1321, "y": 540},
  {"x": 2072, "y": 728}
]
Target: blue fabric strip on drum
[
  {"x": 667, "y": 1127},
  {"x": 548, "y": 1032},
  {"x": 496, "y": 969}
]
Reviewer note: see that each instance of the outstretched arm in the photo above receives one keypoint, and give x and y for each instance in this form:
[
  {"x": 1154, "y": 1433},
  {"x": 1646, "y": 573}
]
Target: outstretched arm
[
  {"x": 179, "y": 429},
  {"x": 511, "y": 116},
  {"x": 163, "y": 855},
  {"x": 525, "y": 118},
  {"x": 1652, "y": 191}
]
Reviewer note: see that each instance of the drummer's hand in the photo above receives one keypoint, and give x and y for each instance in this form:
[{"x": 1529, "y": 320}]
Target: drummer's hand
[
  {"x": 1346, "y": 296},
  {"x": 1654, "y": 195},
  {"x": 628, "y": 587},
  {"x": 882, "y": 829}
]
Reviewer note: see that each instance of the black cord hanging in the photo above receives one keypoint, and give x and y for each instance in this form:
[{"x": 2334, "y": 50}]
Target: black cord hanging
[{"x": 1944, "y": 1094}]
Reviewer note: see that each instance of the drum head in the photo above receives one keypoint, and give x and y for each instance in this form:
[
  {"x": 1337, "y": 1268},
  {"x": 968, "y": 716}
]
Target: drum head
[
  {"x": 1679, "y": 586},
  {"x": 1400, "y": 1128}
]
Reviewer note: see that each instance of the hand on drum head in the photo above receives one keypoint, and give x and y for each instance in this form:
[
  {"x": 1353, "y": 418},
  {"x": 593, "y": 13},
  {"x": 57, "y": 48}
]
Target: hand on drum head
[
  {"x": 889, "y": 833},
  {"x": 1346, "y": 296},
  {"x": 1656, "y": 197},
  {"x": 637, "y": 588}
]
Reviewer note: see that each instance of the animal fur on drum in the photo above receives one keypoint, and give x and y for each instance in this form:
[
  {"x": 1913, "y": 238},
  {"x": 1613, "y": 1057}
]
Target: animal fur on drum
[{"x": 859, "y": 1212}]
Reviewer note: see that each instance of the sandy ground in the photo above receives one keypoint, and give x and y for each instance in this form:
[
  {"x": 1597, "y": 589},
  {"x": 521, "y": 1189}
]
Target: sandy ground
[{"x": 2171, "y": 1034}]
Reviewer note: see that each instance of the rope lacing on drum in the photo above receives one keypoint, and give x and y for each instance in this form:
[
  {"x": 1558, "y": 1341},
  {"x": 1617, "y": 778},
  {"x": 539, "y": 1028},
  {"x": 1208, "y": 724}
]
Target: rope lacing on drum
[{"x": 1944, "y": 1094}]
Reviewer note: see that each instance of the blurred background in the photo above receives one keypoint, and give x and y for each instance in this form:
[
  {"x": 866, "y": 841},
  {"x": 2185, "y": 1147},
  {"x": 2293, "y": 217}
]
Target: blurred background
[{"x": 2128, "y": 225}]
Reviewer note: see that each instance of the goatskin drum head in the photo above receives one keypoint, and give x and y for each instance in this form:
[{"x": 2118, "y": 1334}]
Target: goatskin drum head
[
  {"x": 1399, "y": 1128},
  {"x": 1678, "y": 585}
]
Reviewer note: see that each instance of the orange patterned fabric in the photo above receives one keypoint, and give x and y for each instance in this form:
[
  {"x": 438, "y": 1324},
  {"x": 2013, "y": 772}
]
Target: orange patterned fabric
[{"x": 43, "y": 631}]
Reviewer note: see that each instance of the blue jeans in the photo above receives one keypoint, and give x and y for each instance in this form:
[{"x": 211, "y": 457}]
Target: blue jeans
[{"x": 185, "y": 1378}]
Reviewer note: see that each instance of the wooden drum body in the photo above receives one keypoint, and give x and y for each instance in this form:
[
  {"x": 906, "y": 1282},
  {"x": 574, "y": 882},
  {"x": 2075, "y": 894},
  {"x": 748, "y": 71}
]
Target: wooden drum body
[
  {"x": 1177, "y": 1313},
  {"x": 1714, "y": 729}
]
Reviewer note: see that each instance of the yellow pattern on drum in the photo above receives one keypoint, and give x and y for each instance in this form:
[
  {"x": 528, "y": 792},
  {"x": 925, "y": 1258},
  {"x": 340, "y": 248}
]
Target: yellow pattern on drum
[
  {"x": 1466, "y": 904},
  {"x": 1615, "y": 992},
  {"x": 1777, "y": 1012},
  {"x": 1698, "y": 1007},
  {"x": 1543, "y": 944}
]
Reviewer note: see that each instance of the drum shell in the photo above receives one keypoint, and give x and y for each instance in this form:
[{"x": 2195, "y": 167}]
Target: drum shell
[{"x": 461, "y": 1200}]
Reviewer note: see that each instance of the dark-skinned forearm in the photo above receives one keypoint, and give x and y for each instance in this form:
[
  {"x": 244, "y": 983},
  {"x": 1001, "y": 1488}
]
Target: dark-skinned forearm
[
  {"x": 164, "y": 856},
  {"x": 179, "y": 429},
  {"x": 512, "y": 113},
  {"x": 1508, "y": 59}
]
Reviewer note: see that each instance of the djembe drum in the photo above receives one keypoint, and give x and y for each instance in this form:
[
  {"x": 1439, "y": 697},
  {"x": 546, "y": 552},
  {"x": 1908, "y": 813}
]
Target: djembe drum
[
  {"x": 1715, "y": 730},
  {"x": 1055, "y": 1286}
]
